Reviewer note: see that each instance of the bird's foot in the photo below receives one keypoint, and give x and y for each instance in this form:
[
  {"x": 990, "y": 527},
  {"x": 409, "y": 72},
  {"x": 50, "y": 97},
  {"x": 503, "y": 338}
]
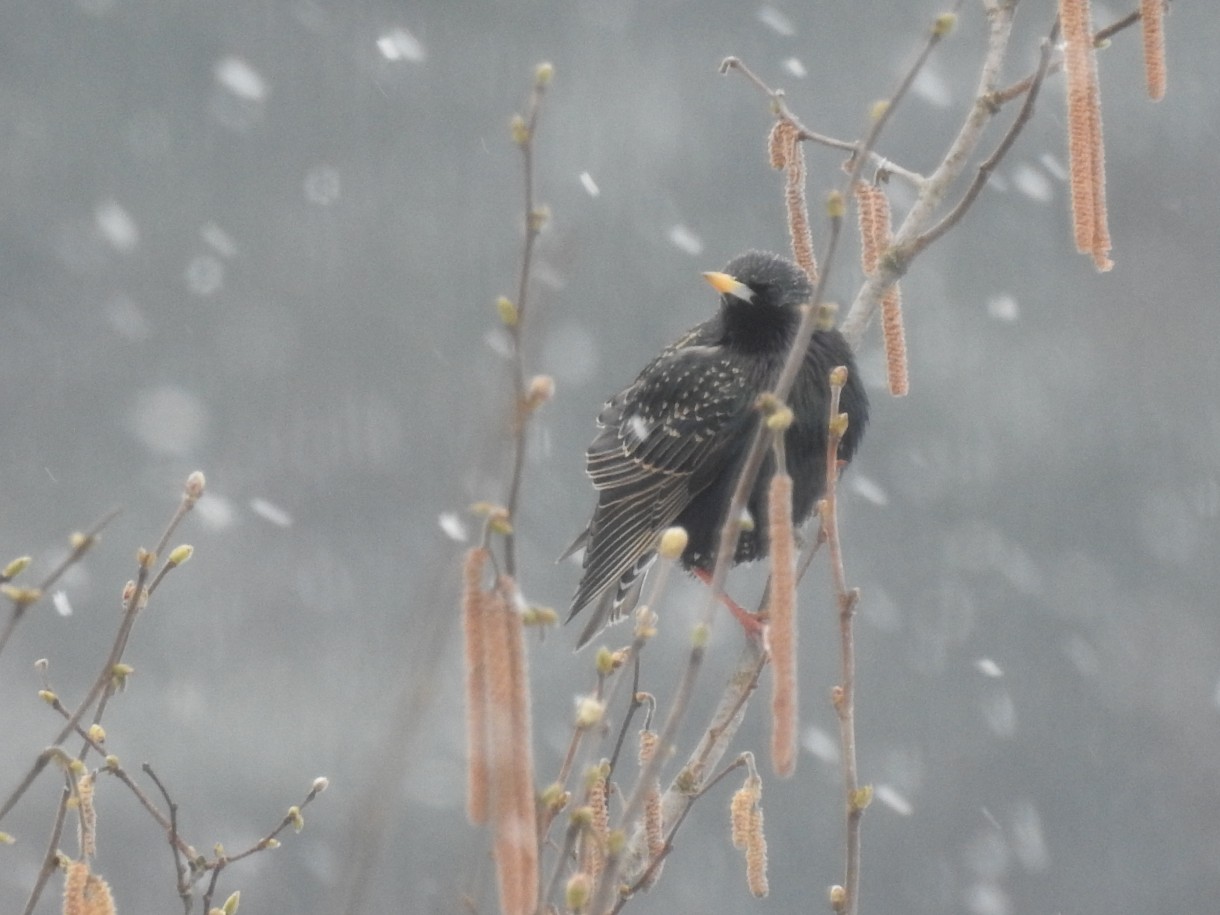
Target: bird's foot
[{"x": 752, "y": 623}]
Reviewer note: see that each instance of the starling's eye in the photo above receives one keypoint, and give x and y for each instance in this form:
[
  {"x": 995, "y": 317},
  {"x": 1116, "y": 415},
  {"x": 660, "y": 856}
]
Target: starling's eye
[{"x": 764, "y": 292}]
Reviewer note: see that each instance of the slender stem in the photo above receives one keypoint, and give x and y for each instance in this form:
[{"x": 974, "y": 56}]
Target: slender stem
[
  {"x": 532, "y": 225},
  {"x": 844, "y": 694},
  {"x": 551, "y": 887},
  {"x": 139, "y": 598},
  {"x": 608, "y": 884},
  {"x": 780, "y": 106},
  {"x": 171, "y": 828},
  {"x": 939, "y": 182},
  {"x": 102, "y": 685},
  {"x": 954, "y": 216},
  {"x": 668, "y": 846},
  {"x": 81, "y": 545},
  {"x": 724, "y": 722},
  {"x": 49, "y": 859},
  {"x": 1021, "y": 86},
  {"x": 915, "y": 233}
]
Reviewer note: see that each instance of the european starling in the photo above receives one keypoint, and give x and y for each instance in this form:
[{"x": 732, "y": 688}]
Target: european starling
[{"x": 671, "y": 445}]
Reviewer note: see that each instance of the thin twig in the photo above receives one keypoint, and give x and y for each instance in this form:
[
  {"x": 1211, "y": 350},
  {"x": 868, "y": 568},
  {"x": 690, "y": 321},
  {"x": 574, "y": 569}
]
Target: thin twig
[
  {"x": 659, "y": 859},
  {"x": 136, "y": 602},
  {"x": 103, "y": 684},
  {"x": 844, "y": 694},
  {"x": 292, "y": 818},
  {"x": 180, "y": 868},
  {"x": 50, "y": 859},
  {"x": 717, "y": 736},
  {"x": 931, "y": 195},
  {"x": 533, "y": 222},
  {"x": 81, "y": 544},
  {"x": 112, "y": 767},
  {"x": 633, "y": 706},
  {"x": 781, "y": 110},
  {"x": 146, "y": 802},
  {"x": 1021, "y": 86},
  {"x": 551, "y": 886},
  {"x": 954, "y": 216},
  {"x": 989, "y": 99}
]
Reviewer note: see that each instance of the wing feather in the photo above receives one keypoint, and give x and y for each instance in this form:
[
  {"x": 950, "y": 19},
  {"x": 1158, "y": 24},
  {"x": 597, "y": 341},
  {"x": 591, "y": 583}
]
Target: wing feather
[{"x": 660, "y": 442}]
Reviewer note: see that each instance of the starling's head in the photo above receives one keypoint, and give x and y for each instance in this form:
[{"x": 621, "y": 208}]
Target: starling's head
[
  {"x": 759, "y": 295},
  {"x": 761, "y": 279}
]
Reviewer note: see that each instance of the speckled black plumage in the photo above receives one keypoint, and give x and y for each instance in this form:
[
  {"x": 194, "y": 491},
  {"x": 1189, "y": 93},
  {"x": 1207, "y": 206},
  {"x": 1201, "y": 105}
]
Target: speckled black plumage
[{"x": 670, "y": 446}]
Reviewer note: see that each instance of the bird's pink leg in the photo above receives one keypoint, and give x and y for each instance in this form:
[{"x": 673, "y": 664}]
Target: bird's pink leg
[{"x": 752, "y": 623}]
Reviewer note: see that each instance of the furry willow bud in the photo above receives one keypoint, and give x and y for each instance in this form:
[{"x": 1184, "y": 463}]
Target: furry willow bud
[
  {"x": 837, "y": 897},
  {"x": 541, "y": 389},
  {"x": 195, "y": 484},
  {"x": 576, "y": 894},
  {"x": 181, "y": 554},
  {"x": 781, "y": 419},
  {"x": 16, "y": 567},
  {"x": 589, "y": 711},
  {"x": 539, "y": 217},
  {"x": 519, "y": 131},
  {"x": 673, "y": 542},
  {"x": 21, "y": 597},
  {"x": 507, "y": 311}
]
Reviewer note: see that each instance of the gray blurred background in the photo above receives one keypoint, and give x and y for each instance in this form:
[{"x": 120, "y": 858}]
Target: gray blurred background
[{"x": 263, "y": 239}]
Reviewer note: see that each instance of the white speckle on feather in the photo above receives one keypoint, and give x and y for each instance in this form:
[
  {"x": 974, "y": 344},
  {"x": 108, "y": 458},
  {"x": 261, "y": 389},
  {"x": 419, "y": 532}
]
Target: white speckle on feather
[
  {"x": 590, "y": 186},
  {"x": 639, "y": 429}
]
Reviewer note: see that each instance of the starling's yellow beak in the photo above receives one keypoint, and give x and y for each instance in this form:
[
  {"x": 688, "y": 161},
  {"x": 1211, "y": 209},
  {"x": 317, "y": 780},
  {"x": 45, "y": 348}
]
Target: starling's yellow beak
[{"x": 729, "y": 285}]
